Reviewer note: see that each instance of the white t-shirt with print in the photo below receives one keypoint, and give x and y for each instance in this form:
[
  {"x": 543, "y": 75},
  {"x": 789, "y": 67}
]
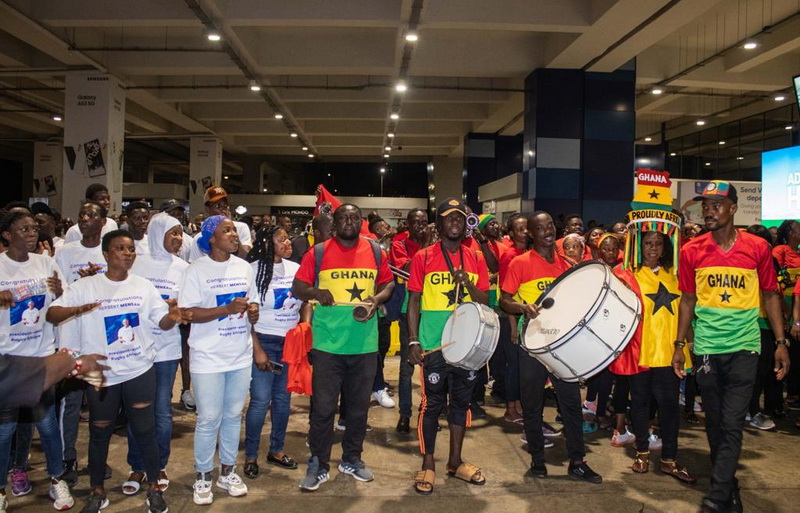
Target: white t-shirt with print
[
  {"x": 280, "y": 310},
  {"x": 130, "y": 352},
  {"x": 242, "y": 230},
  {"x": 23, "y": 329},
  {"x": 223, "y": 344},
  {"x": 141, "y": 246},
  {"x": 166, "y": 276},
  {"x": 75, "y": 256},
  {"x": 74, "y": 233}
]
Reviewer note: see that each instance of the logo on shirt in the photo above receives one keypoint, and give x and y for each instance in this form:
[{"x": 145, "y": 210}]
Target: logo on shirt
[
  {"x": 121, "y": 328},
  {"x": 28, "y": 312},
  {"x": 433, "y": 378},
  {"x": 226, "y": 299},
  {"x": 727, "y": 287}
]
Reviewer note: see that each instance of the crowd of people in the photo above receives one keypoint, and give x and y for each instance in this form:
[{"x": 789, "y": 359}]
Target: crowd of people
[{"x": 246, "y": 310}]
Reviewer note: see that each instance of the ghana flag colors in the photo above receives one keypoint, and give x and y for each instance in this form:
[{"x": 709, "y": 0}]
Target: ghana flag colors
[
  {"x": 660, "y": 298},
  {"x": 529, "y": 274},
  {"x": 431, "y": 277},
  {"x": 728, "y": 286},
  {"x": 350, "y": 274},
  {"x": 788, "y": 258}
]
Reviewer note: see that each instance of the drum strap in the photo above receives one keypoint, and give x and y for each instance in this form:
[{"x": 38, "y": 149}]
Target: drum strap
[{"x": 446, "y": 254}]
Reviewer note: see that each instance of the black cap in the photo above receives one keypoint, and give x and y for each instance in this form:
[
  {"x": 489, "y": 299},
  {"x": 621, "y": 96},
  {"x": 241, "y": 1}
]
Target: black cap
[
  {"x": 42, "y": 208},
  {"x": 171, "y": 204},
  {"x": 451, "y": 205}
]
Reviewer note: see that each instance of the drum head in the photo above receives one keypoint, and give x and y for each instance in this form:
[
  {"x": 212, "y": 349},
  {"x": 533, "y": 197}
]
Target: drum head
[
  {"x": 464, "y": 333},
  {"x": 574, "y": 294}
]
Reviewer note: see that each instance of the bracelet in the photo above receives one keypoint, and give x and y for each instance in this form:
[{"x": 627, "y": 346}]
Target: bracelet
[
  {"x": 680, "y": 343},
  {"x": 782, "y": 342},
  {"x": 75, "y": 355},
  {"x": 413, "y": 343}
]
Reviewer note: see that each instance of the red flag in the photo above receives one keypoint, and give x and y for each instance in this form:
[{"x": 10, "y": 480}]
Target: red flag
[{"x": 327, "y": 203}]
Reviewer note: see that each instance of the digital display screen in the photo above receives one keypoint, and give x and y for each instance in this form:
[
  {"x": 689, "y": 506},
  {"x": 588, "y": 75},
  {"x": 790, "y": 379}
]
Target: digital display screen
[{"x": 780, "y": 180}]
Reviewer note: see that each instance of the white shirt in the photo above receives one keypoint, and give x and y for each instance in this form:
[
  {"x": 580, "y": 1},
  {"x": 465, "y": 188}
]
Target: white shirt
[
  {"x": 74, "y": 256},
  {"x": 280, "y": 310},
  {"x": 166, "y": 276},
  {"x": 24, "y": 332},
  {"x": 130, "y": 351},
  {"x": 223, "y": 344},
  {"x": 244, "y": 240},
  {"x": 74, "y": 232},
  {"x": 141, "y": 246}
]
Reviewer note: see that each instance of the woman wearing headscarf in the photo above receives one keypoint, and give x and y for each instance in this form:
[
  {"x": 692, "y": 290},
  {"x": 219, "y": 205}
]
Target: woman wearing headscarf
[
  {"x": 164, "y": 269},
  {"x": 217, "y": 289}
]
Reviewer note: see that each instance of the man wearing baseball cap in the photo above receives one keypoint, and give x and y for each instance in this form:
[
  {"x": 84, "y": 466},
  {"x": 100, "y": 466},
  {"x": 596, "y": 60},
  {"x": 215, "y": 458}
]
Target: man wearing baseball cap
[
  {"x": 725, "y": 276},
  {"x": 216, "y": 202}
]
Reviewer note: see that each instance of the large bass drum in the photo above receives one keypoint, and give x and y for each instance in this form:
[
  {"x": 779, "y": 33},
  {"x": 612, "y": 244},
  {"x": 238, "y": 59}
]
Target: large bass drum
[
  {"x": 470, "y": 341},
  {"x": 593, "y": 317}
]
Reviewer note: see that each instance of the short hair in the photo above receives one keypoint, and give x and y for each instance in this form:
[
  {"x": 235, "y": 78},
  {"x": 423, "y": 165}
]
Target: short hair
[
  {"x": 136, "y": 205},
  {"x": 94, "y": 188},
  {"x": 571, "y": 217},
  {"x": 16, "y": 204},
  {"x": 318, "y": 222},
  {"x": 113, "y": 234},
  {"x": 343, "y": 206},
  {"x": 511, "y": 219},
  {"x": 374, "y": 221},
  {"x": 10, "y": 218},
  {"x": 760, "y": 231},
  {"x": 414, "y": 211},
  {"x": 103, "y": 211}
]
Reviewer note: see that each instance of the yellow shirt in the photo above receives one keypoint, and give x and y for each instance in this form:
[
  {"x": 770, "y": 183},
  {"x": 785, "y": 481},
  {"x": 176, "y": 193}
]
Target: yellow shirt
[{"x": 660, "y": 300}]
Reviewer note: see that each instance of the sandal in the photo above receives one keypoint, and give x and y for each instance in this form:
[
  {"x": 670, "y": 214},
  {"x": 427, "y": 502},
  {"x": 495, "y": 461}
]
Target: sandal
[
  {"x": 163, "y": 480},
  {"x": 423, "y": 481},
  {"x": 469, "y": 473},
  {"x": 134, "y": 483},
  {"x": 672, "y": 468},
  {"x": 641, "y": 463}
]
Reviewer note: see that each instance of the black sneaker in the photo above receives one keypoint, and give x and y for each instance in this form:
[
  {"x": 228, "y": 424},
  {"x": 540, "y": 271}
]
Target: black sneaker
[
  {"x": 538, "y": 470},
  {"x": 155, "y": 501},
  {"x": 250, "y": 469},
  {"x": 477, "y": 412},
  {"x": 582, "y": 472},
  {"x": 70, "y": 474},
  {"x": 95, "y": 503},
  {"x": 736, "y": 500},
  {"x": 403, "y": 425},
  {"x": 109, "y": 472}
]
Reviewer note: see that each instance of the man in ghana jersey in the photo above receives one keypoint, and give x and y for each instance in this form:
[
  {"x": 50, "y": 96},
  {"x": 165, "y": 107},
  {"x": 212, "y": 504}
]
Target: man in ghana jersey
[
  {"x": 344, "y": 351},
  {"x": 527, "y": 277},
  {"x": 721, "y": 275},
  {"x": 442, "y": 276}
]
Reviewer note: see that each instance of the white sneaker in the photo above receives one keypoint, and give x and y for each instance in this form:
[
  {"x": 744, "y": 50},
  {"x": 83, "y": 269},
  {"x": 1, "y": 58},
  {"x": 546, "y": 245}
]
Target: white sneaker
[
  {"x": 232, "y": 483},
  {"x": 621, "y": 440},
  {"x": 763, "y": 422},
  {"x": 60, "y": 495},
  {"x": 382, "y": 397},
  {"x": 187, "y": 398},
  {"x": 3, "y": 503},
  {"x": 655, "y": 442},
  {"x": 202, "y": 489}
]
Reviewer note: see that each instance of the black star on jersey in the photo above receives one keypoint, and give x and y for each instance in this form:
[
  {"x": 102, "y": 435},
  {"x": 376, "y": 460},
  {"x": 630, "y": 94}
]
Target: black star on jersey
[
  {"x": 654, "y": 194},
  {"x": 451, "y": 296},
  {"x": 355, "y": 292},
  {"x": 725, "y": 297},
  {"x": 663, "y": 298}
]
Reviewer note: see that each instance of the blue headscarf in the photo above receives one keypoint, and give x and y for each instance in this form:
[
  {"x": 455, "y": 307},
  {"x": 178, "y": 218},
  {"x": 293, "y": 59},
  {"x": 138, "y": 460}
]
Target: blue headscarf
[{"x": 210, "y": 225}]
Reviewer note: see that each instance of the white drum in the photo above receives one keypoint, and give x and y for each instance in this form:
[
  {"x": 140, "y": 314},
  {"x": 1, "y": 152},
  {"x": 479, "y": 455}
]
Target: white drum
[
  {"x": 593, "y": 317},
  {"x": 470, "y": 341}
]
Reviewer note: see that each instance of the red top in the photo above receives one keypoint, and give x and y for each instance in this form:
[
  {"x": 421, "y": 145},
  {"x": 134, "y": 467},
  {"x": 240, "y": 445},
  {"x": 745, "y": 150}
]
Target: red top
[
  {"x": 402, "y": 251},
  {"x": 505, "y": 259},
  {"x": 627, "y": 363},
  {"x": 587, "y": 251},
  {"x": 529, "y": 274}
]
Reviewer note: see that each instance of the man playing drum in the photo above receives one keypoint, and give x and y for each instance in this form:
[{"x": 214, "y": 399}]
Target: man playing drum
[
  {"x": 527, "y": 278},
  {"x": 442, "y": 276}
]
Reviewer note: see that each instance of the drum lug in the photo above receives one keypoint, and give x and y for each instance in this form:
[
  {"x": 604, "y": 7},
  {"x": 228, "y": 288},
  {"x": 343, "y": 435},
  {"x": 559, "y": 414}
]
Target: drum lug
[
  {"x": 617, "y": 354},
  {"x": 582, "y": 323}
]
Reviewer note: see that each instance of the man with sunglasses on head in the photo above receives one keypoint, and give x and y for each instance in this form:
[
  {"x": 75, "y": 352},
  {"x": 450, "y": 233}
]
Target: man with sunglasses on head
[{"x": 216, "y": 202}]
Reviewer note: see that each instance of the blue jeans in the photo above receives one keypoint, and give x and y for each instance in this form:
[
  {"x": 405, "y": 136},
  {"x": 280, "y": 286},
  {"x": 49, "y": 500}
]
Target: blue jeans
[
  {"x": 165, "y": 379},
  {"x": 220, "y": 399},
  {"x": 44, "y": 415},
  {"x": 267, "y": 392}
]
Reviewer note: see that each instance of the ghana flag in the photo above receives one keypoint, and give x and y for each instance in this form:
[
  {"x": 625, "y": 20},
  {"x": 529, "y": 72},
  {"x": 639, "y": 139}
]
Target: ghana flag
[
  {"x": 529, "y": 275},
  {"x": 652, "y": 190},
  {"x": 431, "y": 277},
  {"x": 728, "y": 286},
  {"x": 350, "y": 274}
]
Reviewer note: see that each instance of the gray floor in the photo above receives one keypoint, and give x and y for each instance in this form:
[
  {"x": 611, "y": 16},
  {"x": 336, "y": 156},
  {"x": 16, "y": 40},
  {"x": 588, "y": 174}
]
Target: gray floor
[{"x": 768, "y": 473}]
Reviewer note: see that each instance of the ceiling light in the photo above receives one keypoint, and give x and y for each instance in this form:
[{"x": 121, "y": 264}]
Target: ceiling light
[
  {"x": 57, "y": 117},
  {"x": 780, "y": 98},
  {"x": 213, "y": 35},
  {"x": 648, "y": 139},
  {"x": 722, "y": 143},
  {"x": 278, "y": 115},
  {"x": 412, "y": 37},
  {"x": 329, "y": 175},
  {"x": 395, "y": 116},
  {"x": 401, "y": 87},
  {"x": 788, "y": 127},
  {"x": 225, "y": 177},
  {"x": 708, "y": 163},
  {"x": 750, "y": 45},
  {"x": 383, "y": 170},
  {"x": 530, "y": 153},
  {"x": 700, "y": 122},
  {"x": 386, "y": 155},
  {"x": 265, "y": 189},
  {"x": 293, "y": 134},
  {"x": 311, "y": 155},
  {"x": 739, "y": 158},
  {"x": 305, "y": 148},
  {"x": 657, "y": 90},
  {"x": 672, "y": 154},
  {"x": 254, "y": 86},
  {"x": 388, "y": 148}
]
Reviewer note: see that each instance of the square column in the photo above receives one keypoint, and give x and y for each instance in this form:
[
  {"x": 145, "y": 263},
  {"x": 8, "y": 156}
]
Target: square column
[
  {"x": 48, "y": 173},
  {"x": 205, "y": 170}
]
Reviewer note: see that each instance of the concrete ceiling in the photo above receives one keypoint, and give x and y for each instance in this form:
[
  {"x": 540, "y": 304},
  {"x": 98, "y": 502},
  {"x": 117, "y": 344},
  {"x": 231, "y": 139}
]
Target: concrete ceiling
[{"x": 330, "y": 66}]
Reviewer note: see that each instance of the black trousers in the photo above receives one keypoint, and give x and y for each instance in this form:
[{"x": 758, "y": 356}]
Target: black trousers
[
  {"x": 765, "y": 378},
  {"x": 443, "y": 384},
  {"x": 353, "y": 375},
  {"x": 598, "y": 388},
  {"x": 103, "y": 408},
  {"x": 661, "y": 384},
  {"x": 384, "y": 341},
  {"x": 532, "y": 377},
  {"x": 726, "y": 384},
  {"x": 622, "y": 391}
]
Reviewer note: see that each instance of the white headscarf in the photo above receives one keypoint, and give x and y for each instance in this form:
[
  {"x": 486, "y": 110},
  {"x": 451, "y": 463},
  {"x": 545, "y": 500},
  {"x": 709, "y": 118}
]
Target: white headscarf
[{"x": 159, "y": 225}]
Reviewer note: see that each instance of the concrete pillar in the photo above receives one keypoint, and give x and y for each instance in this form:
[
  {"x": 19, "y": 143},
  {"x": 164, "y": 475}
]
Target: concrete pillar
[
  {"x": 48, "y": 173},
  {"x": 205, "y": 170},
  {"x": 253, "y": 175},
  {"x": 446, "y": 177},
  {"x": 488, "y": 157},
  {"x": 94, "y": 138}
]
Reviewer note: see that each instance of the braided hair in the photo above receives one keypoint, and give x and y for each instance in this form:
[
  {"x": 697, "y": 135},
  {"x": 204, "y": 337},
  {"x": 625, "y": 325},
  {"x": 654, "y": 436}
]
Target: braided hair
[
  {"x": 783, "y": 232},
  {"x": 263, "y": 252}
]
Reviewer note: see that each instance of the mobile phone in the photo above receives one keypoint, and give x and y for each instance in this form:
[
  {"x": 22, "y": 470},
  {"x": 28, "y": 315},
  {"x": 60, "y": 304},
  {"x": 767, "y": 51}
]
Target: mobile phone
[{"x": 277, "y": 368}]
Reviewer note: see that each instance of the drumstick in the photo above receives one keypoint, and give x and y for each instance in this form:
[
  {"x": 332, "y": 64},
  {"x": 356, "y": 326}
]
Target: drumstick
[
  {"x": 341, "y": 303},
  {"x": 426, "y": 353}
]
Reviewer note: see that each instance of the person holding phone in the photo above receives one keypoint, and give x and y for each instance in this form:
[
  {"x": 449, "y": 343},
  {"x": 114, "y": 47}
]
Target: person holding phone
[{"x": 279, "y": 312}]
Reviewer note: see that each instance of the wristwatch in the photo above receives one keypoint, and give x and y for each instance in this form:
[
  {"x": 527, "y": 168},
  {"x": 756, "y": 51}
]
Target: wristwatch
[
  {"x": 680, "y": 343},
  {"x": 782, "y": 342}
]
